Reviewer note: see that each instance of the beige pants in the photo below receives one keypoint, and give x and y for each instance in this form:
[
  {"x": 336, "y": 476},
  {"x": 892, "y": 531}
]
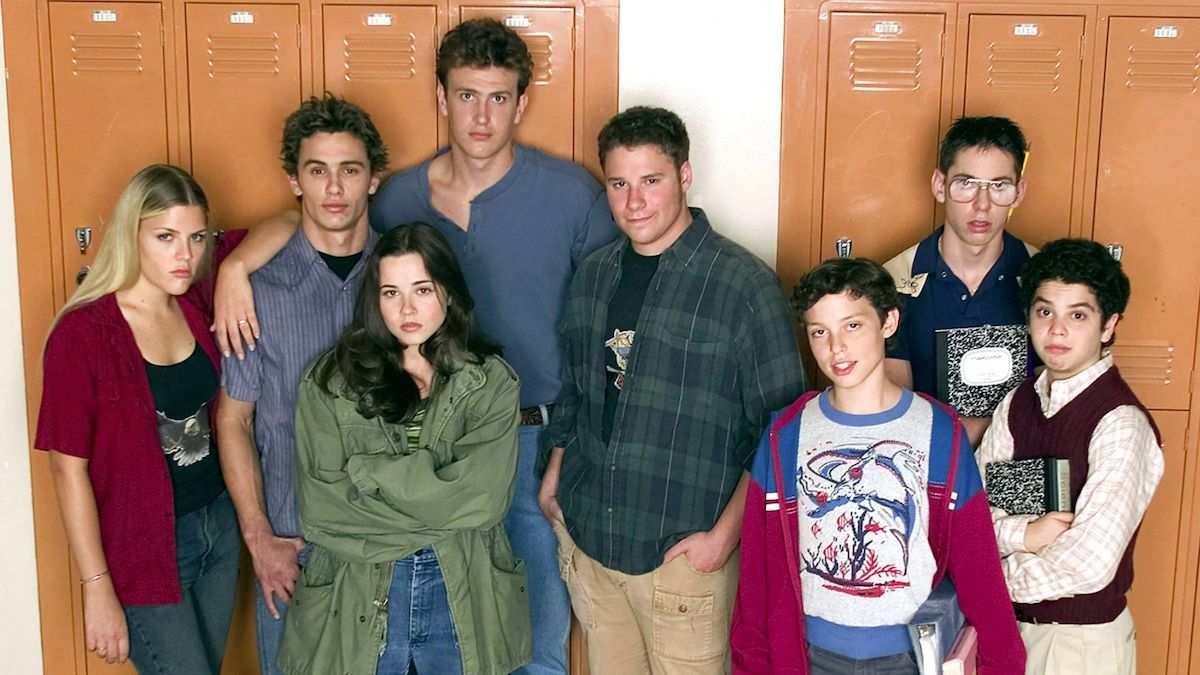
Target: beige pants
[
  {"x": 672, "y": 620},
  {"x": 1069, "y": 649}
]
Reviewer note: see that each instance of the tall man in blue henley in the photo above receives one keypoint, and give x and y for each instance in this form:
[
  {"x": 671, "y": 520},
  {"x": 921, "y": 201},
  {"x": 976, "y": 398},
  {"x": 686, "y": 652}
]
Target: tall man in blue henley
[{"x": 520, "y": 221}]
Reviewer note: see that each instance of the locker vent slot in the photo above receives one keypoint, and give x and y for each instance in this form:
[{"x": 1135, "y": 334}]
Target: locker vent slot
[
  {"x": 243, "y": 55},
  {"x": 885, "y": 64},
  {"x": 1023, "y": 66},
  {"x": 379, "y": 57},
  {"x": 1163, "y": 68},
  {"x": 1145, "y": 361},
  {"x": 541, "y": 48},
  {"x": 110, "y": 53}
]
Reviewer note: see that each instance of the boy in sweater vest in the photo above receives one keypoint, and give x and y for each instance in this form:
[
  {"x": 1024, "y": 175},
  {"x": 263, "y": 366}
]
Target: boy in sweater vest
[
  {"x": 1068, "y": 573},
  {"x": 861, "y": 498}
]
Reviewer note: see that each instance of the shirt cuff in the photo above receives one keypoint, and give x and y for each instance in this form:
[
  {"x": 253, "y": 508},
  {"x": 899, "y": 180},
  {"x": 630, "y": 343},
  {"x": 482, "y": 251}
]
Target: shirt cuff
[{"x": 1010, "y": 534}]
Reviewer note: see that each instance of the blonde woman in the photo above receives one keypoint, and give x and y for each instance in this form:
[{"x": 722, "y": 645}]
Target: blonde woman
[{"x": 130, "y": 382}]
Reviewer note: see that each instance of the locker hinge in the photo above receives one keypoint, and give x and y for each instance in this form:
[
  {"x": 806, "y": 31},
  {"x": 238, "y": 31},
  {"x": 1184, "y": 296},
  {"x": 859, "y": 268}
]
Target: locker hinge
[
  {"x": 942, "y": 46},
  {"x": 299, "y": 41},
  {"x": 162, "y": 36},
  {"x": 1082, "y": 46}
]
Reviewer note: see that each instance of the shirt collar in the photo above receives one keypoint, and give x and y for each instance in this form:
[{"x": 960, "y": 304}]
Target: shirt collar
[
  {"x": 1053, "y": 398},
  {"x": 685, "y": 247},
  {"x": 298, "y": 257},
  {"x": 1008, "y": 265}
]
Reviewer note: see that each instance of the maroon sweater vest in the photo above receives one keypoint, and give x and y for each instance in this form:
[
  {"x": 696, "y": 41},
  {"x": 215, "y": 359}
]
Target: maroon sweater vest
[{"x": 1067, "y": 435}]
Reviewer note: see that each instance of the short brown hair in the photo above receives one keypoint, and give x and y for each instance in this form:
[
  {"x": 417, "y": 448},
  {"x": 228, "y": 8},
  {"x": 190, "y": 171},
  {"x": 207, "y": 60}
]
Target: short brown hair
[{"x": 485, "y": 43}]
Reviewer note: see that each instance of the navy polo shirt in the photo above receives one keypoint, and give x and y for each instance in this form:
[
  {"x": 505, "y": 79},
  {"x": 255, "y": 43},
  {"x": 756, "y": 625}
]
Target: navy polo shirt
[
  {"x": 940, "y": 300},
  {"x": 527, "y": 234}
]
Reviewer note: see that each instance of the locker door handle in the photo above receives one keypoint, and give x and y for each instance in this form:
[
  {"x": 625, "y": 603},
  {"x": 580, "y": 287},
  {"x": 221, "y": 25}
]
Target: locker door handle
[
  {"x": 1117, "y": 251},
  {"x": 843, "y": 246},
  {"x": 83, "y": 272},
  {"x": 83, "y": 237}
]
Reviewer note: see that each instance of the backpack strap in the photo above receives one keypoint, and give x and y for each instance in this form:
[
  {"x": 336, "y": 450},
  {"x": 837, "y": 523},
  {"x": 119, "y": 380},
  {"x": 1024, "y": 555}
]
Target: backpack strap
[
  {"x": 942, "y": 501},
  {"x": 789, "y": 545}
]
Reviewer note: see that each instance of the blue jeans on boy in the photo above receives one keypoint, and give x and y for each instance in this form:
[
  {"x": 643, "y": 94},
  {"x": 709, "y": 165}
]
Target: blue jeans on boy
[
  {"x": 824, "y": 662},
  {"x": 420, "y": 628},
  {"x": 189, "y": 638},
  {"x": 533, "y": 541}
]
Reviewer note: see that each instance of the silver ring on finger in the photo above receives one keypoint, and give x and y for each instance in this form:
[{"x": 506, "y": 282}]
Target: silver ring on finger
[{"x": 243, "y": 322}]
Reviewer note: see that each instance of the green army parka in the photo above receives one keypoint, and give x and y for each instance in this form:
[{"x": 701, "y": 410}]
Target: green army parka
[{"x": 367, "y": 499}]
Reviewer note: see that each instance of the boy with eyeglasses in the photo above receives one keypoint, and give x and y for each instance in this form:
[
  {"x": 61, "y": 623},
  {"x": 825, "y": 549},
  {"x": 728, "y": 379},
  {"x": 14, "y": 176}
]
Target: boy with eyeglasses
[{"x": 965, "y": 273}]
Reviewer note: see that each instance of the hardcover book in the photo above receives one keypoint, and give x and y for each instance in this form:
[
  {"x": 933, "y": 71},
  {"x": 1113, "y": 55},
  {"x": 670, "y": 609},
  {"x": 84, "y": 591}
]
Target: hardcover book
[
  {"x": 1029, "y": 486},
  {"x": 977, "y": 366},
  {"x": 963, "y": 654},
  {"x": 934, "y": 626}
]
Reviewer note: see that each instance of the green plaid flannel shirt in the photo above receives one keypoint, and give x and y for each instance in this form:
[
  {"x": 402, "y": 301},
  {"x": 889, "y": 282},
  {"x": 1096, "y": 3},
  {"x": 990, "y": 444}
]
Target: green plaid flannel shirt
[{"x": 715, "y": 353}]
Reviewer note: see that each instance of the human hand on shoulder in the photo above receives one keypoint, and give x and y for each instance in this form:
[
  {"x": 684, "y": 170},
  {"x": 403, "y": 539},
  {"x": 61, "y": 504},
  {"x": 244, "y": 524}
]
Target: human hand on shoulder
[
  {"x": 235, "y": 324},
  {"x": 1042, "y": 532}
]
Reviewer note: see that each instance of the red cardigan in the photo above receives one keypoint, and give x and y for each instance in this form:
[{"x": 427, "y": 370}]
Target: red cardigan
[{"x": 96, "y": 404}]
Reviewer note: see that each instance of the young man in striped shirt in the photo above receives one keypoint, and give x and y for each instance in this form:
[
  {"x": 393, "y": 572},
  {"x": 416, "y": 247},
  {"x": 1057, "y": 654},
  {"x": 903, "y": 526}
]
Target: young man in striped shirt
[
  {"x": 677, "y": 346},
  {"x": 1068, "y": 573}
]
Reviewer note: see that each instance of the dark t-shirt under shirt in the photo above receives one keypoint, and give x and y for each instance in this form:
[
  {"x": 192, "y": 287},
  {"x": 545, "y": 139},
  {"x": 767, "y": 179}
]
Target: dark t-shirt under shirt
[
  {"x": 623, "y": 311},
  {"x": 341, "y": 265},
  {"x": 181, "y": 394}
]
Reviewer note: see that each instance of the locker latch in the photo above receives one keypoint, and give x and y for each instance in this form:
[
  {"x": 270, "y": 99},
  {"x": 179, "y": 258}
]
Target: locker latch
[
  {"x": 1117, "y": 251},
  {"x": 842, "y": 246},
  {"x": 83, "y": 237}
]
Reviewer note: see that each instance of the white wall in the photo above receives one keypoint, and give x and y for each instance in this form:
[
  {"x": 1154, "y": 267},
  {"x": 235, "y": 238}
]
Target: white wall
[
  {"x": 720, "y": 67},
  {"x": 20, "y": 638}
]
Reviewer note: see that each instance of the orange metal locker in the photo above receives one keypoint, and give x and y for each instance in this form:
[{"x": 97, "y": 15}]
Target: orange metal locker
[
  {"x": 1028, "y": 68},
  {"x": 1146, "y": 181},
  {"x": 884, "y": 102},
  {"x": 549, "y": 119},
  {"x": 1158, "y": 542},
  {"x": 110, "y": 113},
  {"x": 243, "y": 80},
  {"x": 383, "y": 58}
]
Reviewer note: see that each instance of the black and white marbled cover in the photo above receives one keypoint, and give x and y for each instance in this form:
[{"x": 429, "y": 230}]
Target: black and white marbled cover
[
  {"x": 1028, "y": 486},
  {"x": 977, "y": 366}
]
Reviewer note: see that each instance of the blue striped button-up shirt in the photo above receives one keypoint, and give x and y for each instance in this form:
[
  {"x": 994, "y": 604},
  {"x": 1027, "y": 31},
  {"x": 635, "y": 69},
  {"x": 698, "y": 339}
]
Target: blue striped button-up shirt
[{"x": 302, "y": 308}]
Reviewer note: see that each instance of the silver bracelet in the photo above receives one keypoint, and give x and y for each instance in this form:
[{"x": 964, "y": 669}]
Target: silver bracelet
[{"x": 91, "y": 579}]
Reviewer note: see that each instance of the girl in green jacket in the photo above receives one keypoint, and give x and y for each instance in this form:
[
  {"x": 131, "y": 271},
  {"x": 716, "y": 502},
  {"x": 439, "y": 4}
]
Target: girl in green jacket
[{"x": 406, "y": 441}]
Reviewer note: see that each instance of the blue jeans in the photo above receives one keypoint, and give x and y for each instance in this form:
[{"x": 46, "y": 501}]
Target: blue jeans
[
  {"x": 420, "y": 629},
  {"x": 824, "y": 662},
  {"x": 189, "y": 638},
  {"x": 533, "y": 541},
  {"x": 270, "y": 632}
]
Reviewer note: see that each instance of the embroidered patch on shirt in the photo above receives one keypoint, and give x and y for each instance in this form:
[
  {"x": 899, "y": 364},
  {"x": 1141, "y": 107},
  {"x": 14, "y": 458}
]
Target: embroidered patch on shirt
[{"x": 911, "y": 285}]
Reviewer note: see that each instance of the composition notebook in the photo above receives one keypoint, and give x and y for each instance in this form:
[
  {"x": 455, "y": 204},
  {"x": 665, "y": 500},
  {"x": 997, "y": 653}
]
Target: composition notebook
[
  {"x": 1029, "y": 486},
  {"x": 977, "y": 366}
]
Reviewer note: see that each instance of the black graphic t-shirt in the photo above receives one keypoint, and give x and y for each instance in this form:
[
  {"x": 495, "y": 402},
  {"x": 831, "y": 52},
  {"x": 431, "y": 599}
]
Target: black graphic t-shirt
[
  {"x": 623, "y": 310},
  {"x": 181, "y": 394}
]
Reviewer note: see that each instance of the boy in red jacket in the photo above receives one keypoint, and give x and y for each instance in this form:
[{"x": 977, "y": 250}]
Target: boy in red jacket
[{"x": 862, "y": 496}]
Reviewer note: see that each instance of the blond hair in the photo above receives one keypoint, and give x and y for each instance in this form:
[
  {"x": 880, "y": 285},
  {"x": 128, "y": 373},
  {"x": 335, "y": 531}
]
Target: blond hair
[{"x": 153, "y": 191}]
